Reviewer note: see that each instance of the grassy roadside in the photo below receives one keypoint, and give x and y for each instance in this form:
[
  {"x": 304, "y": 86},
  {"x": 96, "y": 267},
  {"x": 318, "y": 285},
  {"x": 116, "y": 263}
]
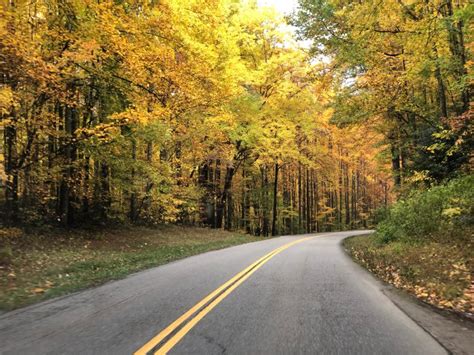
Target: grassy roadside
[
  {"x": 436, "y": 272},
  {"x": 36, "y": 267}
]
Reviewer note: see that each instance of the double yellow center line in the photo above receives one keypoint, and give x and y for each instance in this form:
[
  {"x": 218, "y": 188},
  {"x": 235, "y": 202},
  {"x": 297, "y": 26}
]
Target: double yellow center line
[{"x": 171, "y": 335}]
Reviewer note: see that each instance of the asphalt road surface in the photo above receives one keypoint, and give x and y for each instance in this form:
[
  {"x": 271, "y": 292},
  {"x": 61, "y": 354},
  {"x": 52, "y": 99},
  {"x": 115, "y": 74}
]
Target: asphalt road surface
[{"x": 307, "y": 297}]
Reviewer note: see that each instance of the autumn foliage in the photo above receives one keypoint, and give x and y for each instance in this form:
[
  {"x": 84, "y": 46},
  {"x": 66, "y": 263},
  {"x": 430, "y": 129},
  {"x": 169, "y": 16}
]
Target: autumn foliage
[
  {"x": 403, "y": 67},
  {"x": 201, "y": 112}
]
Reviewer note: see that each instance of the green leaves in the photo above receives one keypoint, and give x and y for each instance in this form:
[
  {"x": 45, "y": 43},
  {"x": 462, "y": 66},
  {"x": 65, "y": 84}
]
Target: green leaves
[{"x": 440, "y": 211}]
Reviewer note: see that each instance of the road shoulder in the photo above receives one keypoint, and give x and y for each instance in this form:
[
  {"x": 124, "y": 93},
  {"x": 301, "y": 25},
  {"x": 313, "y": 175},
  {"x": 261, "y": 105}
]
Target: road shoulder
[{"x": 454, "y": 333}]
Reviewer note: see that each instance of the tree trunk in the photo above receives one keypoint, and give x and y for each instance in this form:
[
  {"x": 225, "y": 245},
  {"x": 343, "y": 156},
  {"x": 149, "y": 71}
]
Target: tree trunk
[
  {"x": 223, "y": 200},
  {"x": 443, "y": 108},
  {"x": 300, "y": 200},
  {"x": 66, "y": 193},
  {"x": 346, "y": 197},
  {"x": 275, "y": 201},
  {"x": 308, "y": 204},
  {"x": 11, "y": 188},
  {"x": 265, "y": 224},
  {"x": 205, "y": 182},
  {"x": 397, "y": 178},
  {"x": 133, "y": 196}
]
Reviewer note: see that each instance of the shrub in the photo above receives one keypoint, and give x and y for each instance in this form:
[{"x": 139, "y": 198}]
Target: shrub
[{"x": 444, "y": 210}]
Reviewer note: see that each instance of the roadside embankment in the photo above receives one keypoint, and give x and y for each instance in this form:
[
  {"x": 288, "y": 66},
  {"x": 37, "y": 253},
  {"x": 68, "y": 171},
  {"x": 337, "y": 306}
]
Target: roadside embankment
[
  {"x": 425, "y": 245},
  {"x": 41, "y": 265}
]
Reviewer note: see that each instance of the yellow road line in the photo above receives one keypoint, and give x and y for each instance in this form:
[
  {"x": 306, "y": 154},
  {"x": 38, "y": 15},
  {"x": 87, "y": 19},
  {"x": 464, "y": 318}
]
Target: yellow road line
[
  {"x": 168, "y": 330},
  {"x": 214, "y": 298}
]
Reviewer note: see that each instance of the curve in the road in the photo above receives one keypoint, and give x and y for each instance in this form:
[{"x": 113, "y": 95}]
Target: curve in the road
[{"x": 310, "y": 299}]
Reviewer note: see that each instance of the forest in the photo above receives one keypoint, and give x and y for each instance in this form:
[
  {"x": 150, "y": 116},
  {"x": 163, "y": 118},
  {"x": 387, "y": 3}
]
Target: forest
[
  {"x": 140, "y": 132},
  {"x": 212, "y": 113}
]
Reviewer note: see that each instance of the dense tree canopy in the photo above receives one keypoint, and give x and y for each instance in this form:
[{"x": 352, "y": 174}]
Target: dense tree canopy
[
  {"x": 208, "y": 112},
  {"x": 405, "y": 68}
]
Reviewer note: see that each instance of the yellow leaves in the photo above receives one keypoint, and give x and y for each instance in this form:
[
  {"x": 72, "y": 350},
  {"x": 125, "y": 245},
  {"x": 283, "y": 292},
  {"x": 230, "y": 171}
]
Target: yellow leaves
[
  {"x": 49, "y": 283},
  {"x": 7, "y": 101},
  {"x": 421, "y": 292},
  {"x": 143, "y": 114},
  {"x": 40, "y": 290},
  {"x": 446, "y": 304},
  {"x": 451, "y": 212},
  {"x": 181, "y": 82},
  {"x": 435, "y": 273},
  {"x": 419, "y": 176},
  {"x": 103, "y": 131},
  {"x": 10, "y": 233},
  {"x": 85, "y": 51}
]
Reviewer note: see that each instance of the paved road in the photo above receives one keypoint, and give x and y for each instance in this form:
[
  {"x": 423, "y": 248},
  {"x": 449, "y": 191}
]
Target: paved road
[{"x": 308, "y": 299}]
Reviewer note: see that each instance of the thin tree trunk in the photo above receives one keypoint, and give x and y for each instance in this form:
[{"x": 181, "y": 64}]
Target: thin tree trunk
[
  {"x": 133, "y": 196},
  {"x": 300, "y": 200},
  {"x": 265, "y": 224},
  {"x": 11, "y": 188},
  {"x": 443, "y": 107},
  {"x": 275, "y": 201},
  {"x": 224, "y": 199},
  {"x": 346, "y": 197},
  {"x": 308, "y": 203}
]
